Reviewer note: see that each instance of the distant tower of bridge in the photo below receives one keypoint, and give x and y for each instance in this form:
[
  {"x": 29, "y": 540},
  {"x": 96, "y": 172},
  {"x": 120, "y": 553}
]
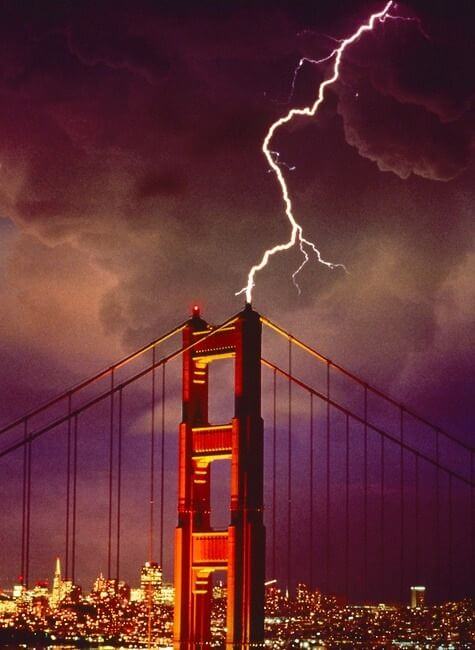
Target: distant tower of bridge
[{"x": 240, "y": 550}]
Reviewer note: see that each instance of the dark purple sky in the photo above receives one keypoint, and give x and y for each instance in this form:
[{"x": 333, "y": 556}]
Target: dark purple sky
[{"x": 132, "y": 184}]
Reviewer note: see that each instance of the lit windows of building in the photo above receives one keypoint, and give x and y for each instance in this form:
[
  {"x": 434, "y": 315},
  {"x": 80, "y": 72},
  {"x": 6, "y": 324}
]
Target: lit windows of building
[
  {"x": 7, "y": 605},
  {"x": 40, "y": 599},
  {"x": 418, "y": 596},
  {"x": 151, "y": 580},
  {"x": 57, "y": 593},
  {"x": 103, "y": 589},
  {"x": 167, "y": 594},
  {"x": 136, "y": 595}
]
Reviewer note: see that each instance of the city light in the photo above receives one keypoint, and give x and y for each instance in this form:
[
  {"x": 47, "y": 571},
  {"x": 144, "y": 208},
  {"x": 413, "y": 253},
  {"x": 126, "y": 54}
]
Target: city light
[{"x": 117, "y": 614}]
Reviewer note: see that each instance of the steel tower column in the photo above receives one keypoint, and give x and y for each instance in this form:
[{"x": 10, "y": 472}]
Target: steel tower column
[{"x": 200, "y": 550}]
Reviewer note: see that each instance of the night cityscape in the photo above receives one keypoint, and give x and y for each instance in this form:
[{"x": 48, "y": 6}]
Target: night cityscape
[
  {"x": 62, "y": 614},
  {"x": 237, "y": 273}
]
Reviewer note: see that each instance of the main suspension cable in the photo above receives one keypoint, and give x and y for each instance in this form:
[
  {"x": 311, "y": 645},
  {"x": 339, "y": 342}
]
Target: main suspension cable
[
  {"x": 126, "y": 382},
  {"x": 373, "y": 427},
  {"x": 87, "y": 382},
  {"x": 320, "y": 357}
]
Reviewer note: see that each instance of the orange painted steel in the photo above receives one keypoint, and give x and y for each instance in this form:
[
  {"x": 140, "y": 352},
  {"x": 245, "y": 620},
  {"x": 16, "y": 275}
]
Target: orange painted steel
[
  {"x": 239, "y": 550},
  {"x": 215, "y": 441}
]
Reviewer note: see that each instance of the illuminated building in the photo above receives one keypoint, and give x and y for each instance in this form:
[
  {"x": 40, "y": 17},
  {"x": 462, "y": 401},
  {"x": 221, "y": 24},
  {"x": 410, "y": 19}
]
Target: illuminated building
[
  {"x": 136, "y": 595},
  {"x": 40, "y": 599},
  {"x": 100, "y": 585},
  {"x": 151, "y": 580},
  {"x": 57, "y": 593},
  {"x": 167, "y": 594},
  {"x": 71, "y": 592},
  {"x": 7, "y": 605},
  {"x": 103, "y": 588},
  {"x": 219, "y": 590},
  {"x": 418, "y": 596},
  {"x": 122, "y": 590}
]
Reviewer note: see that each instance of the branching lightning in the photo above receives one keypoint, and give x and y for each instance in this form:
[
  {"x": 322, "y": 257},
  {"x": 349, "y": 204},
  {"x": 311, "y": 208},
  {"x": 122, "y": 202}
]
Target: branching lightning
[
  {"x": 272, "y": 157},
  {"x": 299, "y": 66},
  {"x": 407, "y": 19}
]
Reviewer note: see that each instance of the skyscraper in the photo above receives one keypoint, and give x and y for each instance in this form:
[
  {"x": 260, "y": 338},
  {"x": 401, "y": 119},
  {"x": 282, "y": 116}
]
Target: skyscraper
[
  {"x": 58, "y": 588},
  {"x": 418, "y": 596},
  {"x": 151, "y": 580}
]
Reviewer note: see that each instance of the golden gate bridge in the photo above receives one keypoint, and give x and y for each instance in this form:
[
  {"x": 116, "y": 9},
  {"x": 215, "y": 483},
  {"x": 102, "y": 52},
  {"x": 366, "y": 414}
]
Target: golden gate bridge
[{"x": 332, "y": 482}]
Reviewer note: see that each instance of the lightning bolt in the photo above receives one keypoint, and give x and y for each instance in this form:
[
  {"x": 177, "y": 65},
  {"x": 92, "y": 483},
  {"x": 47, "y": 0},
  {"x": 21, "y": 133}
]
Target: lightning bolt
[{"x": 296, "y": 234}]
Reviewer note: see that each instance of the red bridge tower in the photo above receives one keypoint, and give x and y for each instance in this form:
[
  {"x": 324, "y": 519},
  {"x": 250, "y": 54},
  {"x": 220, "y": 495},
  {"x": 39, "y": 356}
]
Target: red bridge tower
[{"x": 239, "y": 550}]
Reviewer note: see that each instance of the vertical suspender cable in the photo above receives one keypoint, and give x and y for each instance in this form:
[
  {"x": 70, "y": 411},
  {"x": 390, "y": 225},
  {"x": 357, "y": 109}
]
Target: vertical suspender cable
[
  {"x": 472, "y": 516},
  {"x": 68, "y": 488},
  {"x": 28, "y": 513},
  {"x": 162, "y": 466},
  {"x": 74, "y": 508},
  {"x": 401, "y": 504},
  {"x": 312, "y": 567},
  {"x": 365, "y": 496},
  {"x": 111, "y": 467},
  {"x": 289, "y": 474},
  {"x": 437, "y": 517},
  {"x": 383, "y": 585},
  {"x": 151, "y": 550},
  {"x": 152, "y": 498},
  {"x": 450, "y": 558},
  {"x": 347, "y": 508},
  {"x": 119, "y": 488},
  {"x": 327, "y": 522},
  {"x": 274, "y": 472},
  {"x": 23, "y": 523},
  {"x": 417, "y": 519}
]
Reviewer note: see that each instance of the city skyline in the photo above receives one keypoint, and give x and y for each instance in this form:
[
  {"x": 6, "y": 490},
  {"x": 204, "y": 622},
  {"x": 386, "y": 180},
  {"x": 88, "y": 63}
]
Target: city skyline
[
  {"x": 60, "y": 586},
  {"x": 119, "y": 615}
]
